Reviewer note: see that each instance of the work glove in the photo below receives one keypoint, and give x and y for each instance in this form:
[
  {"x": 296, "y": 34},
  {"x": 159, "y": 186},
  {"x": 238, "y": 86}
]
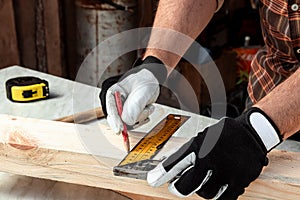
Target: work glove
[
  {"x": 139, "y": 89},
  {"x": 221, "y": 161}
]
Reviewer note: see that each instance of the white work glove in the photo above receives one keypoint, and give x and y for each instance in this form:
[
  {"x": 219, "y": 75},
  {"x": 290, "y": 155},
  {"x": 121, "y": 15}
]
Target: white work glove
[
  {"x": 139, "y": 89},
  {"x": 221, "y": 161}
]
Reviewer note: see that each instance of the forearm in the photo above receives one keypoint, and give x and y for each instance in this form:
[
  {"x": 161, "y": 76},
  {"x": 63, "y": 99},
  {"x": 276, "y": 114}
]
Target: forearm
[
  {"x": 282, "y": 105},
  {"x": 188, "y": 17}
]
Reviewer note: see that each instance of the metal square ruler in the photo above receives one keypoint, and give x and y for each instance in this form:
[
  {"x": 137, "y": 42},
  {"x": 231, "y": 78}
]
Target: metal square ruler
[{"x": 140, "y": 159}]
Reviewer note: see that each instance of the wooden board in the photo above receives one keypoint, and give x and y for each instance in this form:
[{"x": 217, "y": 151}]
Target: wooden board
[
  {"x": 54, "y": 37},
  {"x": 85, "y": 154},
  {"x": 15, "y": 187},
  {"x": 69, "y": 15},
  {"x": 8, "y": 39},
  {"x": 40, "y": 35},
  {"x": 26, "y": 30}
]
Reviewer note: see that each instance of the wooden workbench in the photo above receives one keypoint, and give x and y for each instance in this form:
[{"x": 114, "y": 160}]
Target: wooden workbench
[{"x": 76, "y": 163}]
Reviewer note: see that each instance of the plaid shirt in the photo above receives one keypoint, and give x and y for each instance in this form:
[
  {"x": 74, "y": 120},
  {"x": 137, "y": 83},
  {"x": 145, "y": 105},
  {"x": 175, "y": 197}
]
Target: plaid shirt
[{"x": 279, "y": 58}]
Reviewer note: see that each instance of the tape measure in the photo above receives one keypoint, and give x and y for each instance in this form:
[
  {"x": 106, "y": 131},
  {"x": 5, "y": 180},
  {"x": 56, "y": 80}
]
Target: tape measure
[
  {"x": 139, "y": 160},
  {"x": 26, "y": 89}
]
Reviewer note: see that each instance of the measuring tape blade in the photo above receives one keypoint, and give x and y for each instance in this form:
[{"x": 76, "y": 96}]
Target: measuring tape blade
[{"x": 139, "y": 160}]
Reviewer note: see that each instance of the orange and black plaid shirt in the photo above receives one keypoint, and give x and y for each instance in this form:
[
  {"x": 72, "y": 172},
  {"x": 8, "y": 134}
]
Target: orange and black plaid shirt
[{"x": 279, "y": 58}]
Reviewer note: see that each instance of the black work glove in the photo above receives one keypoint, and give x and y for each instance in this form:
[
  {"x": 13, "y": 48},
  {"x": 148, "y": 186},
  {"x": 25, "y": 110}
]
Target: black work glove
[
  {"x": 221, "y": 161},
  {"x": 139, "y": 88}
]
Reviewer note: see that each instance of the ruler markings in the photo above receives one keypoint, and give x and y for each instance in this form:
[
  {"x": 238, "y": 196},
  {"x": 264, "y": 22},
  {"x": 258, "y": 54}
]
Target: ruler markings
[{"x": 148, "y": 146}]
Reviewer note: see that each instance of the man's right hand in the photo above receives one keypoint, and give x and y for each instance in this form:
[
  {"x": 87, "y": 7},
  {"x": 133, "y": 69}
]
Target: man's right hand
[{"x": 139, "y": 89}]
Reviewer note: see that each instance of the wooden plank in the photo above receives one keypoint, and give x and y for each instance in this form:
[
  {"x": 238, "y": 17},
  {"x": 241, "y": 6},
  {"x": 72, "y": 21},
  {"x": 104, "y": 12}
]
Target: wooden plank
[
  {"x": 9, "y": 54},
  {"x": 140, "y": 197},
  {"x": 54, "y": 38},
  {"x": 14, "y": 187},
  {"x": 40, "y": 43},
  {"x": 85, "y": 155},
  {"x": 280, "y": 180},
  {"x": 54, "y": 150},
  {"x": 146, "y": 13},
  {"x": 69, "y": 38},
  {"x": 40, "y": 35},
  {"x": 26, "y": 30}
]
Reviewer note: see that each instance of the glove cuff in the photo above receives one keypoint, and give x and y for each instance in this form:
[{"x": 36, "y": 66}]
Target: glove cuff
[
  {"x": 155, "y": 66},
  {"x": 261, "y": 124}
]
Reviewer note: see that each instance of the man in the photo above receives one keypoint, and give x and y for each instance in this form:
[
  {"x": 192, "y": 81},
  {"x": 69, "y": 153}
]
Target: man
[{"x": 242, "y": 144}]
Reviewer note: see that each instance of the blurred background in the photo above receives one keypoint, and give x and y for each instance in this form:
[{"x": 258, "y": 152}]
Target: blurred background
[{"x": 54, "y": 36}]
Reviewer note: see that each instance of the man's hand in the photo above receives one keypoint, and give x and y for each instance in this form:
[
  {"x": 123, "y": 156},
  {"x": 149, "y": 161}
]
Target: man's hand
[
  {"x": 221, "y": 161},
  {"x": 139, "y": 88}
]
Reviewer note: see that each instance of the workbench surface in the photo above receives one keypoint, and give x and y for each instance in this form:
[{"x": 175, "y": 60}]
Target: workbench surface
[
  {"x": 60, "y": 104},
  {"x": 65, "y": 100}
]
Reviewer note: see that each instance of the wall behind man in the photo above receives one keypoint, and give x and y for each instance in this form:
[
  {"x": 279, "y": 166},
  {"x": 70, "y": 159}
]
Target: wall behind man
[
  {"x": 41, "y": 34},
  {"x": 36, "y": 34},
  {"x": 8, "y": 40}
]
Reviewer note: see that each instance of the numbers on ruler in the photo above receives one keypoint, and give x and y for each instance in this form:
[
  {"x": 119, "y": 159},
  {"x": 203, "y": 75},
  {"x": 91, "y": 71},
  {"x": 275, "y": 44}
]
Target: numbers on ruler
[{"x": 152, "y": 142}]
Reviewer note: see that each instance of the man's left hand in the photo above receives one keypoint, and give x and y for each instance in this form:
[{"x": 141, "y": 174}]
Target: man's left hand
[{"x": 221, "y": 161}]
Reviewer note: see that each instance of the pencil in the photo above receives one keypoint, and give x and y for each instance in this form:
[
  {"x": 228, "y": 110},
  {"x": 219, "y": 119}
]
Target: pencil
[{"x": 125, "y": 131}]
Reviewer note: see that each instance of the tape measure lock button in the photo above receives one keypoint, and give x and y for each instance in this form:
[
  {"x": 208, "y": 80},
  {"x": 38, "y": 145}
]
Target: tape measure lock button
[
  {"x": 28, "y": 93},
  {"x": 27, "y": 89}
]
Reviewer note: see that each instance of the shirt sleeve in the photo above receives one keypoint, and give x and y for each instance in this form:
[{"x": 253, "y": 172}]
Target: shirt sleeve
[{"x": 219, "y": 4}]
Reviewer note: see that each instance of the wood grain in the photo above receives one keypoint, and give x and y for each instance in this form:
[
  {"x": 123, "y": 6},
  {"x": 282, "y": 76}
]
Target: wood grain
[
  {"x": 54, "y": 38},
  {"x": 26, "y": 30},
  {"x": 85, "y": 155},
  {"x": 14, "y": 187},
  {"x": 83, "y": 117},
  {"x": 9, "y": 54}
]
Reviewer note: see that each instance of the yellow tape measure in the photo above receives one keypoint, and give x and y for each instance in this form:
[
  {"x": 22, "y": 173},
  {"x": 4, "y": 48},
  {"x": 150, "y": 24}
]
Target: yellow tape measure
[
  {"x": 26, "y": 89},
  {"x": 139, "y": 160}
]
